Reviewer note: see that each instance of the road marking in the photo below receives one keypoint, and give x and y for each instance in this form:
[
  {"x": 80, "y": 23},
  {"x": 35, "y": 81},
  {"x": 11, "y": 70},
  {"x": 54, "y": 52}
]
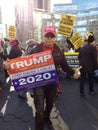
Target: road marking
[
  {"x": 94, "y": 111},
  {"x": 58, "y": 122}
]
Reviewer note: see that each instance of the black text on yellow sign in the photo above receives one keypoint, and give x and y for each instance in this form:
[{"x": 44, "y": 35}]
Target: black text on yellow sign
[
  {"x": 12, "y": 28},
  {"x": 67, "y": 20},
  {"x": 65, "y": 30},
  {"x": 12, "y": 32},
  {"x": 72, "y": 59},
  {"x": 77, "y": 40},
  {"x": 66, "y": 25}
]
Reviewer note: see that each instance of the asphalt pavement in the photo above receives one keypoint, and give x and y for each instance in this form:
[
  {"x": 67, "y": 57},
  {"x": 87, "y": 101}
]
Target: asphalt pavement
[
  {"x": 78, "y": 113},
  {"x": 70, "y": 112}
]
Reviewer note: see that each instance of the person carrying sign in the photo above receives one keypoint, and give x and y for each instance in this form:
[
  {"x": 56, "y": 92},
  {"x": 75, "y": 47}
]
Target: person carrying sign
[{"x": 49, "y": 92}]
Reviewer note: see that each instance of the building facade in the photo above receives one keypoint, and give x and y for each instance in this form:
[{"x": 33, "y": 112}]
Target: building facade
[
  {"x": 87, "y": 16},
  {"x": 42, "y": 4},
  {"x": 86, "y": 4},
  {"x": 26, "y": 21},
  {"x": 0, "y": 23},
  {"x": 86, "y": 19}
]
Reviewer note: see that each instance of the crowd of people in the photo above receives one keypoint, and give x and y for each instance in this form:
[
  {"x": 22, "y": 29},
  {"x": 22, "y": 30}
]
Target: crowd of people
[
  {"x": 88, "y": 59},
  {"x": 11, "y": 49}
]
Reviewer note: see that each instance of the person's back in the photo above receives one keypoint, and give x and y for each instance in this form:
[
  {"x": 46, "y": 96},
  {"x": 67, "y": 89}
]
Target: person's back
[
  {"x": 15, "y": 50},
  {"x": 97, "y": 53},
  {"x": 88, "y": 61},
  {"x": 87, "y": 57}
]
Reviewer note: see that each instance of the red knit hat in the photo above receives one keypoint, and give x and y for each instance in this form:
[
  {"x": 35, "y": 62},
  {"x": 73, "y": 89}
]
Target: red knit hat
[{"x": 13, "y": 42}]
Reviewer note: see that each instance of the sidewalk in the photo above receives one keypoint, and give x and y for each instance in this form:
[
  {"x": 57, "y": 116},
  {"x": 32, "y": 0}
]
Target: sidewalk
[{"x": 18, "y": 114}]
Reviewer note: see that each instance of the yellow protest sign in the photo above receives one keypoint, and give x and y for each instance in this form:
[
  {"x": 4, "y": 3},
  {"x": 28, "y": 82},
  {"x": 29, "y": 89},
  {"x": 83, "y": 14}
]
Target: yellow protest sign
[
  {"x": 77, "y": 40},
  {"x": 12, "y": 28},
  {"x": 72, "y": 59},
  {"x": 88, "y": 34},
  {"x": 12, "y": 32},
  {"x": 66, "y": 25}
]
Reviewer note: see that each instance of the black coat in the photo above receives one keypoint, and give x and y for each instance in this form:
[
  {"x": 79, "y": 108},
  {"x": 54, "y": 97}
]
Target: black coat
[
  {"x": 15, "y": 52},
  {"x": 58, "y": 56},
  {"x": 2, "y": 70},
  {"x": 88, "y": 58}
]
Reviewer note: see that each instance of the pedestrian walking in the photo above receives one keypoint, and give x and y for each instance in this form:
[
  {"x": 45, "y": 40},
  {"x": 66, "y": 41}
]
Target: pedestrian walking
[
  {"x": 88, "y": 61},
  {"x": 48, "y": 93}
]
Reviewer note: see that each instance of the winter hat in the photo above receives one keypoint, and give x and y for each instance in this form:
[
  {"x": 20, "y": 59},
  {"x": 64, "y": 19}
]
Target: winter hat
[
  {"x": 50, "y": 29},
  {"x": 13, "y": 42},
  {"x": 91, "y": 39}
]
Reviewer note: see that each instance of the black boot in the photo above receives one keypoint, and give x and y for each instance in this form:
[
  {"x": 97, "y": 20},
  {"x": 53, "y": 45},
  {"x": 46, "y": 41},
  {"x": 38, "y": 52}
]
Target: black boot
[{"x": 47, "y": 121}]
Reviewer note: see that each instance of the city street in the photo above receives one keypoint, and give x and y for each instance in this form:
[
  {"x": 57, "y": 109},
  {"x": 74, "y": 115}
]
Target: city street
[
  {"x": 70, "y": 111},
  {"x": 76, "y": 112},
  {"x": 34, "y": 35}
]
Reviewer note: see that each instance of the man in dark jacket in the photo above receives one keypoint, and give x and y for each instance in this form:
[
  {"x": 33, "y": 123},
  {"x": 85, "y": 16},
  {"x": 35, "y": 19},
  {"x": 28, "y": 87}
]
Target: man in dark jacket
[
  {"x": 49, "y": 92},
  {"x": 15, "y": 50},
  {"x": 88, "y": 61},
  {"x": 2, "y": 70}
]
